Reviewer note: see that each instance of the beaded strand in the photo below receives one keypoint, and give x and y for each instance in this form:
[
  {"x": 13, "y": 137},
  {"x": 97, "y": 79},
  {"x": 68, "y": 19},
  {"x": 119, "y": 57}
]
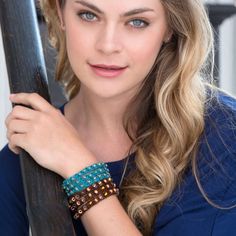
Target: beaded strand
[
  {"x": 88, "y": 187},
  {"x": 82, "y": 201},
  {"x": 85, "y": 178}
]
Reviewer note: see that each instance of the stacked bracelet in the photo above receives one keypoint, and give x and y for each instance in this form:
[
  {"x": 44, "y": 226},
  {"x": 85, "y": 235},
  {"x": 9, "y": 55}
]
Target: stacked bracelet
[
  {"x": 85, "y": 178},
  {"x": 88, "y": 187},
  {"x": 80, "y": 202}
]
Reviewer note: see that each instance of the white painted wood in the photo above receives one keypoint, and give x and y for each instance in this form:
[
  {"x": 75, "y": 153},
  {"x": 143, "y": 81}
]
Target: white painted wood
[
  {"x": 5, "y": 105},
  {"x": 228, "y": 55},
  {"x": 220, "y": 1}
]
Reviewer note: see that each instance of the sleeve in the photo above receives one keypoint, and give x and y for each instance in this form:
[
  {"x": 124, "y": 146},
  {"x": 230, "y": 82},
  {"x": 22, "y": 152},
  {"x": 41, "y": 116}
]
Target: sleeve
[
  {"x": 224, "y": 223},
  {"x": 187, "y": 212},
  {"x": 13, "y": 217}
]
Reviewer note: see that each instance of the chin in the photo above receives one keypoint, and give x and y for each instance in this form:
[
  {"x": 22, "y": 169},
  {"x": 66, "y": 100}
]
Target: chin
[{"x": 109, "y": 94}]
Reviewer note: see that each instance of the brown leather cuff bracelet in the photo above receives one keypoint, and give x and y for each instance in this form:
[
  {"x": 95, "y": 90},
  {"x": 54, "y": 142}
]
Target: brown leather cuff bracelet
[{"x": 80, "y": 202}]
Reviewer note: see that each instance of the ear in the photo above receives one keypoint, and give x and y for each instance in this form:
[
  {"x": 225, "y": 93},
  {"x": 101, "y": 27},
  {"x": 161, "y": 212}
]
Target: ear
[
  {"x": 168, "y": 36},
  {"x": 60, "y": 15}
]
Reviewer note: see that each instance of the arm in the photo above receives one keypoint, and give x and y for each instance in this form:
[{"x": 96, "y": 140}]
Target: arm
[
  {"x": 55, "y": 144},
  {"x": 108, "y": 218},
  {"x": 224, "y": 223}
]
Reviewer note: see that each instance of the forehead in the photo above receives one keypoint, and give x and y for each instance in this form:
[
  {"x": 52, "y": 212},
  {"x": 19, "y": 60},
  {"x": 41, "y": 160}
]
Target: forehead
[{"x": 122, "y": 5}]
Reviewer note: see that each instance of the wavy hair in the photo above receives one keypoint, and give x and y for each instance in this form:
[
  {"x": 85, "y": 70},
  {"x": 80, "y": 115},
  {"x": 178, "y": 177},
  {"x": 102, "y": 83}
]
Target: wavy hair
[{"x": 168, "y": 110}]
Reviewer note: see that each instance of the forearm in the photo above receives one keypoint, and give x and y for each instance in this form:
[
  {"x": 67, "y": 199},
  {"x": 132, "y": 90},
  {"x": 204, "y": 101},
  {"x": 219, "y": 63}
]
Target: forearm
[{"x": 108, "y": 218}]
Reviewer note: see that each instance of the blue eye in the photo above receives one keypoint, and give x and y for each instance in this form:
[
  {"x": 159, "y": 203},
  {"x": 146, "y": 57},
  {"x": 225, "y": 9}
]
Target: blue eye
[
  {"x": 87, "y": 16},
  {"x": 137, "y": 23}
]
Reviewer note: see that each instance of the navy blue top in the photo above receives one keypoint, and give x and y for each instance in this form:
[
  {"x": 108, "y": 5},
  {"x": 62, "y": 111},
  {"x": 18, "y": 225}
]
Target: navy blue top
[{"x": 186, "y": 212}]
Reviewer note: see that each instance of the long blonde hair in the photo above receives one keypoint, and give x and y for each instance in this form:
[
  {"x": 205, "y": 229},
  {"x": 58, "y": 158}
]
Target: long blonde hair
[{"x": 168, "y": 111}]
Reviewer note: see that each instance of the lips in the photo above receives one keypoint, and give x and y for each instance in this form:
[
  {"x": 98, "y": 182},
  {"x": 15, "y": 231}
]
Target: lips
[
  {"x": 107, "y": 71},
  {"x": 109, "y": 67}
]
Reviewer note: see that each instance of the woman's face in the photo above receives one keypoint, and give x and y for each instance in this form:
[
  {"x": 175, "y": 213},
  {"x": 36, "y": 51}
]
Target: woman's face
[{"x": 113, "y": 44}]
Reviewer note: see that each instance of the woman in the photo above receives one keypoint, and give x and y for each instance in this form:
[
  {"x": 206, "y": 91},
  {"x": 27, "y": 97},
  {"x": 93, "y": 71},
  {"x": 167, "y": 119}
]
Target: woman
[{"x": 135, "y": 75}]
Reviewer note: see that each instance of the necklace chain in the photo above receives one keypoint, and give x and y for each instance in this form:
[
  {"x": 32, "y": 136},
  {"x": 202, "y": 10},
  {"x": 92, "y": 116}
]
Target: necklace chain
[{"x": 124, "y": 171}]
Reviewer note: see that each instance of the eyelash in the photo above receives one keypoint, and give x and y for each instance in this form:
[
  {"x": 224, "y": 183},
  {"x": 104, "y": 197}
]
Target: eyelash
[
  {"x": 84, "y": 16},
  {"x": 144, "y": 23}
]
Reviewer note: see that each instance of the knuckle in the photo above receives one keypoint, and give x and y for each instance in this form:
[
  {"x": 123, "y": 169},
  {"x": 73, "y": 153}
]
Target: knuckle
[
  {"x": 11, "y": 147},
  {"x": 31, "y": 96},
  {"x": 16, "y": 110},
  {"x": 13, "y": 139},
  {"x": 7, "y": 121},
  {"x": 34, "y": 95},
  {"x": 16, "y": 141},
  {"x": 8, "y": 135},
  {"x": 56, "y": 111},
  {"x": 12, "y": 125},
  {"x": 9, "y": 125}
]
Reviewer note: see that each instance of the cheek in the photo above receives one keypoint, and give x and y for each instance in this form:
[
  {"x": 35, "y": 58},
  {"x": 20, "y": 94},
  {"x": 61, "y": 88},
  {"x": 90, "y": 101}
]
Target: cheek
[
  {"x": 145, "y": 52},
  {"x": 76, "y": 51},
  {"x": 79, "y": 40}
]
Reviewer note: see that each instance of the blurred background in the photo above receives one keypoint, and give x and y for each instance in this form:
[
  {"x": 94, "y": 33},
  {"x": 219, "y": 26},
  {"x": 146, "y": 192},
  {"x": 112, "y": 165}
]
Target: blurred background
[{"x": 222, "y": 14}]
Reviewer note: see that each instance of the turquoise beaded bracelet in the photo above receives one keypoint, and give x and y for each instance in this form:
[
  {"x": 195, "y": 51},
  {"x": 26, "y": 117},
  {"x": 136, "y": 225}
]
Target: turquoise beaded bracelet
[{"x": 86, "y": 178}]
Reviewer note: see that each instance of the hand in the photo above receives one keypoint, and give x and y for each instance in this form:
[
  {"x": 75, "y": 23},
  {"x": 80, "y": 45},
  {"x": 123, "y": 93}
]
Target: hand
[{"x": 46, "y": 135}]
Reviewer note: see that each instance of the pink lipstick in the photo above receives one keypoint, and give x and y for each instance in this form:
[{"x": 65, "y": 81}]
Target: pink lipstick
[{"x": 107, "y": 71}]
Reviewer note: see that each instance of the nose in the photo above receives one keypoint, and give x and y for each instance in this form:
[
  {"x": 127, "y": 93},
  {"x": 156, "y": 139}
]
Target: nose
[{"x": 109, "y": 41}]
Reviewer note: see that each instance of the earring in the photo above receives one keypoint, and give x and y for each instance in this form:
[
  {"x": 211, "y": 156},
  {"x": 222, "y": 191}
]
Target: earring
[
  {"x": 168, "y": 39},
  {"x": 63, "y": 27}
]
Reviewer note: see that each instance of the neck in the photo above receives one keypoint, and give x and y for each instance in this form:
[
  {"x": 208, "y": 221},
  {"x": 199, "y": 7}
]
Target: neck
[
  {"x": 99, "y": 121},
  {"x": 95, "y": 113}
]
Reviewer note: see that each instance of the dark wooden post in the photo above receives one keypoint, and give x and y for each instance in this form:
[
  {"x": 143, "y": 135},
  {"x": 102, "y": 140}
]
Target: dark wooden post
[{"x": 46, "y": 202}]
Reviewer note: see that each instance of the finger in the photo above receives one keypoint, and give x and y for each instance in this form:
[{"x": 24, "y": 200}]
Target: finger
[
  {"x": 14, "y": 149},
  {"x": 13, "y": 143},
  {"x": 31, "y": 99},
  {"x": 21, "y": 112},
  {"x": 9, "y": 134},
  {"x": 18, "y": 126},
  {"x": 17, "y": 140}
]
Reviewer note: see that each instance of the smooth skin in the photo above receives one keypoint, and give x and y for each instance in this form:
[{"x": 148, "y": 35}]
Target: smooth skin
[{"x": 121, "y": 33}]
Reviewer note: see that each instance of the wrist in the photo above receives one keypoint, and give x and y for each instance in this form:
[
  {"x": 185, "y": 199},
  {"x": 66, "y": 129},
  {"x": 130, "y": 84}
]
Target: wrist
[{"x": 74, "y": 164}]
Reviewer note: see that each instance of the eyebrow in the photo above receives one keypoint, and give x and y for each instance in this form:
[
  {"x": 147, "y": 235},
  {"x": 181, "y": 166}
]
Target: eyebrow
[{"x": 129, "y": 13}]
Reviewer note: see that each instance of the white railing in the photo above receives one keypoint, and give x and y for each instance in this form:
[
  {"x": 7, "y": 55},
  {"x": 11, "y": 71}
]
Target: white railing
[{"x": 5, "y": 105}]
